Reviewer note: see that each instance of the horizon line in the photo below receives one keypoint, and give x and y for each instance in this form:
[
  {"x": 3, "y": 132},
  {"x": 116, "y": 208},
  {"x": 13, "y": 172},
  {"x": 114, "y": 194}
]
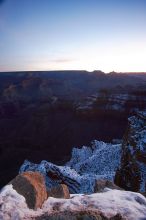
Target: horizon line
[{"x": 70, "y": 70}]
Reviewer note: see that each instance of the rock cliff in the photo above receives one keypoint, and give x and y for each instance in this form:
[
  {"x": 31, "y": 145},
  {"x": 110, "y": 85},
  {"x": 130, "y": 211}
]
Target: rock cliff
[{"x": 131, "y": 174}]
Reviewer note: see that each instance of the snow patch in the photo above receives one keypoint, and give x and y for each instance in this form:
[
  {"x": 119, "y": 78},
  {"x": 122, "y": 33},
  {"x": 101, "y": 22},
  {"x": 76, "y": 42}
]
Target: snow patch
[
  {"x": 100, "y": 159},
  {"x": 130, "y": 205}
]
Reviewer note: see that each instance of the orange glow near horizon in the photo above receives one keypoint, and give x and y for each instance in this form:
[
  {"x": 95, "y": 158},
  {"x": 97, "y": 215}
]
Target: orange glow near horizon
[{"x": 123, "y": 57}]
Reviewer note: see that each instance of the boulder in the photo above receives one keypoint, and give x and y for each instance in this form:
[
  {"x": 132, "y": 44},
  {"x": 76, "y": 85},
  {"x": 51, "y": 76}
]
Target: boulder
[
  {"x": 101, "y": 184},
  {"x": 31, "y": 185},
  {"x": 60, "y": 191}
]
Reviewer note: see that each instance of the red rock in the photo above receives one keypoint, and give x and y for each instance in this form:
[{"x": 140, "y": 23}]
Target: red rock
[
  {"x": 101, "y": 184},
  {"x": 32, "y": 186},
  {"x": 60, "y": 191}
]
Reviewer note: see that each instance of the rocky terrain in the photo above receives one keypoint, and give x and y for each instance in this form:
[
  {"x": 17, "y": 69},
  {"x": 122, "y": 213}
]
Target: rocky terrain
[
  {"x": 102, "y": 161},
  {"x": 83, "y": 188},
  {"x": 87, "y": 164},
  {"x": 111, "y": 204},
  {"x": 42, "y": 113}
]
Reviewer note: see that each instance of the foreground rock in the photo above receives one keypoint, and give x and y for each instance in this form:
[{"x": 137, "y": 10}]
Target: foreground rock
[
  {"x": 31, "y": 185},
  {"x": 60, "y": 191},
  {"x": 108, "y": 205},
  {"x": 82, "y": 215},
  {"x": 131, "y": 174}
]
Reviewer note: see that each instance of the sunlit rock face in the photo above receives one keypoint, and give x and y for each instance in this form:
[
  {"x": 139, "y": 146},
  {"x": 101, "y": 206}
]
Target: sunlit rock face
[
  {"x": 31, "y": 185},
  {"x": 132, "y": 172}
]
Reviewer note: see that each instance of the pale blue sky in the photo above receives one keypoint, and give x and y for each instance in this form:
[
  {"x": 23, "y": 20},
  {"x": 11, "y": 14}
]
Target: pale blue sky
[{"x": 73, "y": 34}]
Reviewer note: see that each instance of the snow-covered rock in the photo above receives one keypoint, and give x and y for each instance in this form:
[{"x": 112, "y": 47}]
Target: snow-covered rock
[
  {"x": 112, "y": 100},
  {"x": 100, "y": 159},
  {"x": 87, "y": 164},
  {"x": 130, "y": 205},
  {"x": 131, "y": 174}
]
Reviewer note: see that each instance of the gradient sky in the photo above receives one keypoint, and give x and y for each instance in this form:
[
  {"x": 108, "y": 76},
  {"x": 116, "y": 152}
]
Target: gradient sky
[{"x": 73, "y": 34}]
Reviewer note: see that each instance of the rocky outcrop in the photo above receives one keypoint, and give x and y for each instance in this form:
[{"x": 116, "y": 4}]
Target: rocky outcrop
[
  {"x": 60, "y": 191},
  {"x": 131, "y": 174},
  {"x": 31, "y": 185},
  {"x": 86, "y": 166},
  {"x": 101, "y": 184},
  {"x": 55, "y": 175},
  {"x": 99, "y": 158}
]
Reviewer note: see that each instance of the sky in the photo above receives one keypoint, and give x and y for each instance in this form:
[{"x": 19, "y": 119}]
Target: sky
[{"x": 107, "y": 35}]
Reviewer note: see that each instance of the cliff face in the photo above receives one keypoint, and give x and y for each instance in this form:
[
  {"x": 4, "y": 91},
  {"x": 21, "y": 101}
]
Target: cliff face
[{"x": 132, "y": 172}]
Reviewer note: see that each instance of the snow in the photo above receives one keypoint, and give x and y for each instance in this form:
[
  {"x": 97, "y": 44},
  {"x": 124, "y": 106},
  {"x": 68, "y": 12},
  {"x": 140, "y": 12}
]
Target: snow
[
  {"x": 12, "y": 204},
  {"x": 113, "y": 101},
  {"x": 130, "y": 205},
  {"x": 100, "y": 160}
]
